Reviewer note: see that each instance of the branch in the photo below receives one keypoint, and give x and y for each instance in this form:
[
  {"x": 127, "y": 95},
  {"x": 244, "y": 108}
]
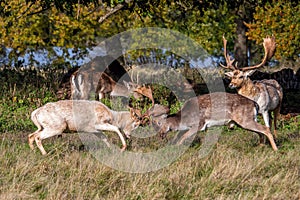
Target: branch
[
  {"x": 21, "y": 15},
  {"x": 112, "y": 11},
  {"x": 37, "y": 12},
  {"x": 78, "y": 10}
]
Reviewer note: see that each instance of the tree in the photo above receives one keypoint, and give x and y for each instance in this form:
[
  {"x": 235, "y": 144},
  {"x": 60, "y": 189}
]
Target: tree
[
  {"x": 281, "y": 19},
  {"x": 30, "y": 26}
]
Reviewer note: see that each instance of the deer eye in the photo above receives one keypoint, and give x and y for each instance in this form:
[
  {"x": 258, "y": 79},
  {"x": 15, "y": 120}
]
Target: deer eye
[{"x": 158, "y": 123}]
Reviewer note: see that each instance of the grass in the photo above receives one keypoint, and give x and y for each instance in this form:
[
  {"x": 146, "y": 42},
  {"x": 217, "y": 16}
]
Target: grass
[{"x": 236, "y": 168}]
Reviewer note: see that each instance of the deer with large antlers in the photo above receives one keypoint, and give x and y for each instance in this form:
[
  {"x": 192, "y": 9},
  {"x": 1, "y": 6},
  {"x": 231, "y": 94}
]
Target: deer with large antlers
[
  {"x": 215, "y": 109},
  {"x": 267, "y": 94},
  {"x": 80, "y": 115}
]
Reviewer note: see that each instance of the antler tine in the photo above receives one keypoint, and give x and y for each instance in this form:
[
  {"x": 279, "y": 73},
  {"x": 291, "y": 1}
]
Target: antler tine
[
  {"x": 146, "y": 91},
  {"x": 269, "y": 48},
  {"x": 227, "y": 57},
  {"x": 145, "y": 117},
  {"x": 137, "y": 116}
]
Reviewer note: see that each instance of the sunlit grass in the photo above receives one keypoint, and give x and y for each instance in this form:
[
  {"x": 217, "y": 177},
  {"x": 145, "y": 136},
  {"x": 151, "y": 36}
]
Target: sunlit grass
[{"x": 236, "y": 167}]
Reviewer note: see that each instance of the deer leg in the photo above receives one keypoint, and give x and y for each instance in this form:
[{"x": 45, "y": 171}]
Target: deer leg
[
  {"x": 32, "y": 135},
  {"x": 101, "y": 95},
  {"x": 97, "y": 96},
  {"x": 46, "y": 133},
  {"x": 109, "y": 127},
  {"x": 38, "y": 142},
  {"x": 270, "y": 120},
  {"x": 276, "y": 116},
  {"x": 188, "y": 134},
  {"x": 256, "y": 127},
  {"x": 31, "y": 139},
  {"x": 266, "y": 118}
]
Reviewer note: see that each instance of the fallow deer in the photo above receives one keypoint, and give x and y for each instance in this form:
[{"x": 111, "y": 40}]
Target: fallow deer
[
  {"x": 267, "y": 94},
  {"x": 83, "y": 83},
  {"x": 107, "y": 85},
  {"x": 215, "y": 109},
  {"x": 80, "y": 115}
]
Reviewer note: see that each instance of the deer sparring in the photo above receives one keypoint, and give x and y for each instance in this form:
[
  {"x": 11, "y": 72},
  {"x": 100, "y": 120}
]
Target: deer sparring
[
  {"x": 267, "y": 94},
  {"x": 80, "y": 115},
  {"x": 228, "y": 108}
]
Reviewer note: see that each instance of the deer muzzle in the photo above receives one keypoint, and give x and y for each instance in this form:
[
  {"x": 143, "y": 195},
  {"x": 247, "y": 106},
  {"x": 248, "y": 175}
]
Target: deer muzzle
[{"x": 231, "y": 86}]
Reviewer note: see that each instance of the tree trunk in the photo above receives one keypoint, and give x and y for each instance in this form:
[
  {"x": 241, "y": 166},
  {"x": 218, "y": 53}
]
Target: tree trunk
[
  {"x": 114, "y": 53},
  {"x": 240, "y": 46},
  {"x": 114, "y": 48}
]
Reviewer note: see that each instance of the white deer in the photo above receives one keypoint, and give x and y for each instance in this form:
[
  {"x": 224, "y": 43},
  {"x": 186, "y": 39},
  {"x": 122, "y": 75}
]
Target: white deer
[
  {"x": 215, "y": 109},
  {"x": 267, "y": 94},
  {"x": 79, "y": 115}
]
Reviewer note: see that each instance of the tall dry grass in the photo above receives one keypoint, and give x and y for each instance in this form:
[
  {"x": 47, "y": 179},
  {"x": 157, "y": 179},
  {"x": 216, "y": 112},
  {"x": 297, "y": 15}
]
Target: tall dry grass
[{"x": 236, "y": 168}]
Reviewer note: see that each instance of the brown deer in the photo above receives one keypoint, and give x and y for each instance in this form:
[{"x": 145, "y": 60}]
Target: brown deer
[
  {"x": 215, "y": 109},
  {"x": 83, "y": 83},
  {"x": 107, "y": 85},
  {"x": 267, "y": 94},
  {"x": 80, "y": 115}
]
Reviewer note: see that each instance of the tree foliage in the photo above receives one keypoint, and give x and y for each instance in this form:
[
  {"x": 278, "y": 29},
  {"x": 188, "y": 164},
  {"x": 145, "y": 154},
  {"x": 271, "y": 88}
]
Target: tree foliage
[
  {"x": 281, "y": 19},
  {"x": 31, "y": 25}
]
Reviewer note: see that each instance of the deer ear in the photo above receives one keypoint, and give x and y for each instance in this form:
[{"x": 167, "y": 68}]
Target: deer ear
[
  {"x": 249, "y": 73},
  {"x": 229, "y": 74},
  {"x": 127, "y": 84},
  {"x": 164, "y": 116}
]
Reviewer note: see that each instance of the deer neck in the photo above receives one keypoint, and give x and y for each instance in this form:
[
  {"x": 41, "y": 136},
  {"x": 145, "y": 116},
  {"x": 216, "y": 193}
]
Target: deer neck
[
  {"x": 120, "y": 90},
  {"x": 173, "y": 122},
  {"x": 248, "y": 89},
  {"x": 121, "y": 118}
]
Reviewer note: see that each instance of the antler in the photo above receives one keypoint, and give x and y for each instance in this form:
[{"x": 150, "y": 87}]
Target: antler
[
  {"x": 155, "y": 110},
  {"x": 136, "y": 115},
  {"x": 146, "y": 91},
  {"x": 269, "y": 48},
  {"x": 229, "y": 62}
]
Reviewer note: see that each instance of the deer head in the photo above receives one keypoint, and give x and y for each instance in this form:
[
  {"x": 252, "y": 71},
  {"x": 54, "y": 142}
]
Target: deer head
[
  {"x": 155, "y": 113},
  {"x": 239, "y": 76}
]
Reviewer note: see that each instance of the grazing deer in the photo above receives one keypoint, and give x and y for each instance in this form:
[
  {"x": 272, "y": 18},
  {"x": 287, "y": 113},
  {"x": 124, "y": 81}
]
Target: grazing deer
[
  {"x": 107, "y": 85},
  {"x": 267, "y": 94},
  {"x": 209, "y": 110},
  {"x": 85, "y": 82},
  {"x": 86, "y": 116}
]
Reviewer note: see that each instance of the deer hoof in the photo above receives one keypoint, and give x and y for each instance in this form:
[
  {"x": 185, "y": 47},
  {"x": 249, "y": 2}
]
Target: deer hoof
[{"x": 123, "y": 148}]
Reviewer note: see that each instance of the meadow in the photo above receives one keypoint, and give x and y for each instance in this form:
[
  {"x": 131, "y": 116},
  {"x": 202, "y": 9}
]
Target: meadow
[{"x": 235, "y": 168}]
